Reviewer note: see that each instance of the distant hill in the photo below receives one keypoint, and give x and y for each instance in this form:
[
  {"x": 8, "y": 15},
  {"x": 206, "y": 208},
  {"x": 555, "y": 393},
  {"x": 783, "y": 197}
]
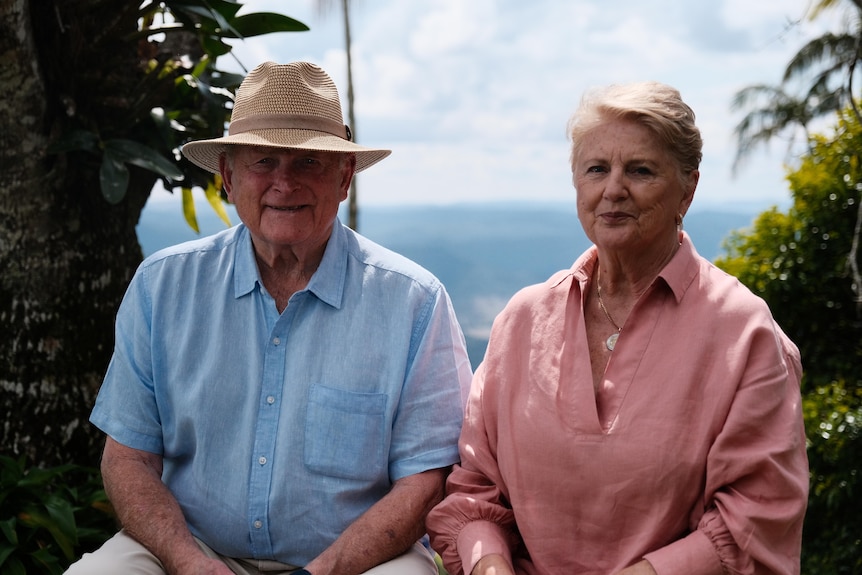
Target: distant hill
[{"x": 482, "y": 253}]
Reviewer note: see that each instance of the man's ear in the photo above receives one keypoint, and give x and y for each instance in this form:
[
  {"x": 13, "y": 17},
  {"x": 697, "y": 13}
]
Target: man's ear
[
  {"x": 347, "y": 174},
  {"x": 226, "y": 171}
]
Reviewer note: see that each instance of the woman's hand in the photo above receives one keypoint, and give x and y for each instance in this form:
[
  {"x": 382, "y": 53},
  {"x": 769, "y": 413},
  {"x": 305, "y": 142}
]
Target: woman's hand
[
  {"x": 493, "y": 564},
  {"x": 639, "y": 568}
]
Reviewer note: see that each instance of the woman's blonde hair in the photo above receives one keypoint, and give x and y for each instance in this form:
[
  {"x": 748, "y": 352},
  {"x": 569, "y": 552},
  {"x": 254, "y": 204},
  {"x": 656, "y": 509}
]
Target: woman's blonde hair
[{"x": 657, "y": 106}]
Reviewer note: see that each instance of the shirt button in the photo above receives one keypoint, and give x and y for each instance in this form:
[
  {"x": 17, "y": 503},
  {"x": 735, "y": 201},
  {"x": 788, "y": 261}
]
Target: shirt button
[
  {"x": 276, "y": 341},
  {"x": 270, "y": 400},
  {"x": 258, "y": 524},
  {"x": 262, "y": 460}
]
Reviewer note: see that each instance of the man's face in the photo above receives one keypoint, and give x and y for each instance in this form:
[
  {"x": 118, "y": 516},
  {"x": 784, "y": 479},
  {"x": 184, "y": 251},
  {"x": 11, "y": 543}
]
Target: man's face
[{"x": 287, "y": 198}]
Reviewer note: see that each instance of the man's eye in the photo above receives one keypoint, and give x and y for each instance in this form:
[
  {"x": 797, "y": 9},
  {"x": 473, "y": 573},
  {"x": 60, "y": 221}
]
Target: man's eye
[{"x": 595, "y": 169}]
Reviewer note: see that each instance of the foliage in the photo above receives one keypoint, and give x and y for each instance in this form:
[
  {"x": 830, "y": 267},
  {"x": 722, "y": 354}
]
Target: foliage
[
  {"x": 195, "y": 98},
  {"x": 801, "y": 263},
  {"x": 49, "y": 517},
  {"x": 826, "y": 69}
]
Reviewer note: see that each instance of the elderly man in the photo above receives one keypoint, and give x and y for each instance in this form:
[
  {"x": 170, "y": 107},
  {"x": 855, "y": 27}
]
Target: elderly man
[{"x": 284, "y": 396}]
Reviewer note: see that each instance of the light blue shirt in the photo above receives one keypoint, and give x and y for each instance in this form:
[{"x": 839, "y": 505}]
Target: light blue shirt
[{"x": 278, "y": 431}]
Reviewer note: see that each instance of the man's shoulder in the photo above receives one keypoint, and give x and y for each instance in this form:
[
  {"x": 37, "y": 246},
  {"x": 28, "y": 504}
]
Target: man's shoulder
[
  {"x": 379, "y": 258},
  {"x": 209, "y": 245}
]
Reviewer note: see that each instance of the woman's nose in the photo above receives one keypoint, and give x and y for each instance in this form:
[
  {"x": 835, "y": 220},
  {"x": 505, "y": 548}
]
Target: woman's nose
[{"x": 616, "y": 186}]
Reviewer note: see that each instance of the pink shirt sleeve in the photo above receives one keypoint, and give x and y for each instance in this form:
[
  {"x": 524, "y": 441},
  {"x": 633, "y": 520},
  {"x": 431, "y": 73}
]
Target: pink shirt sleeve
[{"x": 475, "y": 521}]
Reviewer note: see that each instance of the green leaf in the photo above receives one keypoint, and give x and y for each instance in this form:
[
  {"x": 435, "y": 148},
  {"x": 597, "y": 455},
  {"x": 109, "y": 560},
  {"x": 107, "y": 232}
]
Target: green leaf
[
  {"x": 50, "y": 564},
  {"x": 7, "y": 527},
  {"x": 214, "y": 47},
  {"x": 259, "y": 23},
  {"x": 113, "y": 178},
  {"x": 189, "y": 210},
  {"x": 33, "y": 517},
  {"x": 38, "y": 477},
  {"x": 132, "y": 152},
  {"x": 14, "y": 567},
  {"x": 5, "y": 552},
  {"x": 226, "y": 80},
  {"x": 63, "y": 519},
  {"x": 75, "y": 140},
  {"x": 219, "y": 10}
]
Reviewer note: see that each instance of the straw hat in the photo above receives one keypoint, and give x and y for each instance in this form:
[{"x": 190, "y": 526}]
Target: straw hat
[{"x": 292, "y": 105}]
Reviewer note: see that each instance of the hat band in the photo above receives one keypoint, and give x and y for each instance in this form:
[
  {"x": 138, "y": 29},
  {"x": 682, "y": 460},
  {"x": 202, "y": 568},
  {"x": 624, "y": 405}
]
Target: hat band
[{"x": 288, "y": 122}]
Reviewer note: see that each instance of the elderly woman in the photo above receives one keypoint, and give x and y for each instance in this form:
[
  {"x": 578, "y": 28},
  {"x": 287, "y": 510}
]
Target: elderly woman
[{"x": 640, "y": 412}]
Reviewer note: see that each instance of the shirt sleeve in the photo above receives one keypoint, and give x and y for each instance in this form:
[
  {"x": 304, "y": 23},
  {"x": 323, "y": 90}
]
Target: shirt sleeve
[
  {"x": 757, "y": 475},
  {"x": 475, "y": 519},
  {"x": 126, "y": 407},
  {"x": 433, "y": 393}
]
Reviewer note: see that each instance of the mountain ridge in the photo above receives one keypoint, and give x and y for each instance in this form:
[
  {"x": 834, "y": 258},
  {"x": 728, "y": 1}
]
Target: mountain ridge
[{"x": 482, "y": 253}]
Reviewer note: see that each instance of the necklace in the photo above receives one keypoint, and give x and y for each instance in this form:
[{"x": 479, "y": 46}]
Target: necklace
[{"x": 611, "y": 342}]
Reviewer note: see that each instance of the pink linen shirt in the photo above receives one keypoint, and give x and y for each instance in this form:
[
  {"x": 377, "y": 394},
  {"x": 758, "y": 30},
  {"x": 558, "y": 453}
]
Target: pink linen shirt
[{"x": 691, "y": 454}]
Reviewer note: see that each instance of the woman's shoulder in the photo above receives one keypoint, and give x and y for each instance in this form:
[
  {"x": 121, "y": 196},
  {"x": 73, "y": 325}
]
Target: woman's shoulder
[{"x": 545, "y": 298}]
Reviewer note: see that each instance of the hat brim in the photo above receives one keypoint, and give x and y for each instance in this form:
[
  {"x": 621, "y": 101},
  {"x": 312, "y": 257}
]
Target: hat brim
[{"x": 205, "y": 153}]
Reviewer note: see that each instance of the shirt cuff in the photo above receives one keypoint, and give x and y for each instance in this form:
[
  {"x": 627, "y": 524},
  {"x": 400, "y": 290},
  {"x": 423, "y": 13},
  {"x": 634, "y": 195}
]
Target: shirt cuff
[
  {"x": 478, "y": 539},
  {"x": 692, "y": 554}
]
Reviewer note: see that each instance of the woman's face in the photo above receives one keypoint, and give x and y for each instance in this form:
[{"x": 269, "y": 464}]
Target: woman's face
[{"x": 629, "y": 188}]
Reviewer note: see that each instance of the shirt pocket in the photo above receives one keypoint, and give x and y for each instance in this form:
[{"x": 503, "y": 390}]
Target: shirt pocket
[{"x": 345, "y": 433}]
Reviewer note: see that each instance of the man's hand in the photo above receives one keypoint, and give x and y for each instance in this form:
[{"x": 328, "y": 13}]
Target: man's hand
[
  {"x": 389, "y": 528},
  {"x": 494, "y": 564}
]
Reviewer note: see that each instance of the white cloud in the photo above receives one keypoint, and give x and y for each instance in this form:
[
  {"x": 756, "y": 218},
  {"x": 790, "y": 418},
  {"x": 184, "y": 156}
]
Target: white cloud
[{"x": 473, "y": 96}]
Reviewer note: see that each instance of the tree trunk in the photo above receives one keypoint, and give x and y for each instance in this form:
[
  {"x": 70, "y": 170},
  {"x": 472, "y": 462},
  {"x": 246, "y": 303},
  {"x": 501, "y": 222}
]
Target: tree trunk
[{"x": 66, "y": 254}]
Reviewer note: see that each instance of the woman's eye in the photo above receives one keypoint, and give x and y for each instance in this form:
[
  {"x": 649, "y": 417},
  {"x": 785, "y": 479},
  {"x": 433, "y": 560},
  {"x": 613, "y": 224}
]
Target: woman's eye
[{"x": 595, "y": 169}]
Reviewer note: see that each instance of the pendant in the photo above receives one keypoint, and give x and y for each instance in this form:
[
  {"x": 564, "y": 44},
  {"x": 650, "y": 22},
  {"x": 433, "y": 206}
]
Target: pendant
[{"x": 611, "y": 342}]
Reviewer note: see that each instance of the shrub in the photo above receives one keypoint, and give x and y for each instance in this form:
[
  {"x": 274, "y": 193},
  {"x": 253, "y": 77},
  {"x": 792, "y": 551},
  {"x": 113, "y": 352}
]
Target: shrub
[{"x": 49, "y": 517}]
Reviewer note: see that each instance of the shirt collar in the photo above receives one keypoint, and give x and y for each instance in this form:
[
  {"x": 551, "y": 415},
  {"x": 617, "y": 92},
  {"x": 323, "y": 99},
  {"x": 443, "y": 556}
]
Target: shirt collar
[
  {"x": 327, "y": 283},
  {"x": 677, "y": 274},
  {"x": 682, "y": 268}
]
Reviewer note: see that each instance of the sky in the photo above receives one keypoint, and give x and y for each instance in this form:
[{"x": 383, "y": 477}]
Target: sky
[{"x": 473, "y": 96}]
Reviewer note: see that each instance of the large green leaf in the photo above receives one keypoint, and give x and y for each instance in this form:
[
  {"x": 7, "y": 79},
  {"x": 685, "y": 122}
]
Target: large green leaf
[
  {"x": 113, "y": 178},
  {"x": 143, "y": 156},
  {"x": 7, "y": 527},
  {"x": 75, "y": 140},
  {"x": 63, "y": 521},
  {"x": 5, "y": 552},
  {"x": 214, "y": 45},
  {"x": 14, "y": 567},
  {"x": 49, "y": 564},
  {"x": 40, "y": 478},
  {"x": 33, "y": 517},
  {"x": 258, "y": 23},
  {"x": 221, "y": 10}
]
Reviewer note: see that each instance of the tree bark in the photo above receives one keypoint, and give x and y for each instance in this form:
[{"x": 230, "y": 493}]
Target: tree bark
[{"x": 66, "y": 254}]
